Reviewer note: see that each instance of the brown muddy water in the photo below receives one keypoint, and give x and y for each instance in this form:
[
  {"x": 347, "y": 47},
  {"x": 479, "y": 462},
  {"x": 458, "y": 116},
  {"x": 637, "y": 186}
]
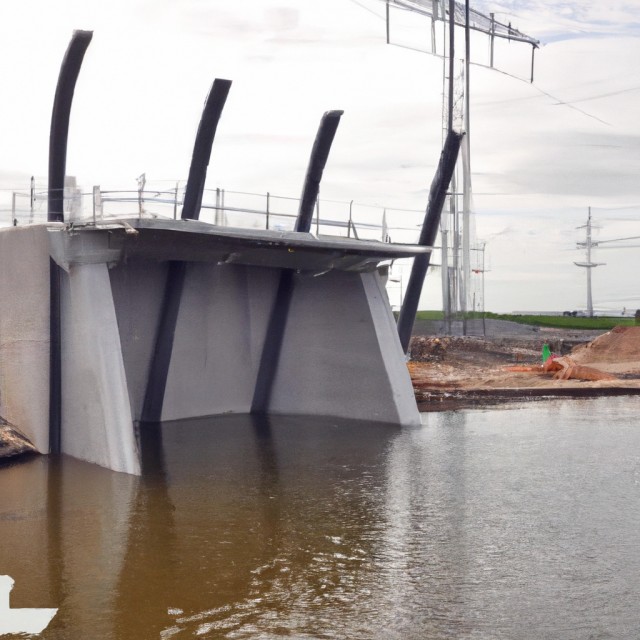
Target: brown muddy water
[{"x": 521, "y": 522}]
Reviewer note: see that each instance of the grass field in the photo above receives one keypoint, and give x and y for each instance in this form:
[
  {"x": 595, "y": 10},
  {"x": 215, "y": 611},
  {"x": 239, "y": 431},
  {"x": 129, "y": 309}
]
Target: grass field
[{"x": 561, "y": 322}]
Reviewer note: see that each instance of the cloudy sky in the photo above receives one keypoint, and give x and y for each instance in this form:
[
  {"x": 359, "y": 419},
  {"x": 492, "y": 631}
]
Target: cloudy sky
[{"x": 541, "y": 154}]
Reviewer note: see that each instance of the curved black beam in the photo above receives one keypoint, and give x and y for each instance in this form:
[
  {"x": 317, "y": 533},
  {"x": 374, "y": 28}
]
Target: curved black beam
[
  {"x": 317, "y": 161},
  {"x": 280, "y": 312},
  {"x": 69, "y": 72},
  {"x": 437, "y": 195},
  {"x": 202, "y": 148},
  {"x": 174, "y": 285}
]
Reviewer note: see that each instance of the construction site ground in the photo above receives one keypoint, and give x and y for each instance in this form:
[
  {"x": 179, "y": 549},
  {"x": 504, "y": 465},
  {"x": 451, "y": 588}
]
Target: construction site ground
[{"x": 500, "y": 361}]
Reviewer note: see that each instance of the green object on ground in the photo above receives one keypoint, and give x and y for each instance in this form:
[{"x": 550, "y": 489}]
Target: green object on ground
[{"x": 546, "y": 352}]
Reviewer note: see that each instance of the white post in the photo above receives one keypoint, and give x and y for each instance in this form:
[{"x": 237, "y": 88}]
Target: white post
[
  {"x": 268, "y": 198},
  {"x": 142, "y": 180},
  {"x": 175, "y": 201},
  {"x": 32, "y": 199},
  {"x": 97, "y": 203}
]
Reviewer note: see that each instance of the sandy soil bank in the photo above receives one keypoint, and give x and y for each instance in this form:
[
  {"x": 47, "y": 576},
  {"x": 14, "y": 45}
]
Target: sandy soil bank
[{"x": 455, "y": 371}]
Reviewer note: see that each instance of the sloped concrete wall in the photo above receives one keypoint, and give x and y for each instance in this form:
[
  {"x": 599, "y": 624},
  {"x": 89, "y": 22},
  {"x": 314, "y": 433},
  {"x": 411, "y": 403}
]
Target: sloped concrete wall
[
  {"x": 340, "y": 356},
  {"x": 137, "y": 287},
  {"x": 218, "y": 341},
  {"x": 24, "y": 331},
  {"x": 341, "y": 353},
  {"x": 218, "y": 338},
  {"x": 97, "y": 425}
]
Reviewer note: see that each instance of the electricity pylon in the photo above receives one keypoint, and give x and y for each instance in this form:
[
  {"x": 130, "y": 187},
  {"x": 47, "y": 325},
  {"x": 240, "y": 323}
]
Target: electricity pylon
[{"x": 588, "y": 264}]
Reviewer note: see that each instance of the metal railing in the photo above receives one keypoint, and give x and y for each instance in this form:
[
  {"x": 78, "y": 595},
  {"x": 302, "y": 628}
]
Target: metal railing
[{"x": 223, "y": 208}]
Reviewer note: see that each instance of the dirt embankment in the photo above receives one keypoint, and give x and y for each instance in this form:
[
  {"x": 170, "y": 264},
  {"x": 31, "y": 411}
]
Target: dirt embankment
[
  {"x": 458, "y": 370},
  {"x": 12, "y": 442}
]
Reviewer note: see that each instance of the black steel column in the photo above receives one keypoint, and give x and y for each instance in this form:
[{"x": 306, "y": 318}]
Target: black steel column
[
  {"x": 280, "y": 312},
  {"x": 161, "y": 357},
  {"x": 58, "y": 136},
  {"x": 202, "y": 148},
  {"x": 60, "y": 115},
  {"x": 273, "y": 340},
  {"x": 317, "y": 161},
  {"x": 174, "y": 285},
  {"x": 437, "y": 195}
]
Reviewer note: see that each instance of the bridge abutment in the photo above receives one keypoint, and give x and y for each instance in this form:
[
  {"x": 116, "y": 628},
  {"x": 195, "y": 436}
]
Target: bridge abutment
[{"x": 340, "y": 354}]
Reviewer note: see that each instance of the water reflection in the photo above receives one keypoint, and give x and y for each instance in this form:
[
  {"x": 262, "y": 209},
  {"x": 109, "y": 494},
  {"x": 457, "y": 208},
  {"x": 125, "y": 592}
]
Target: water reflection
[
  {"x": 482, "y": 524},
  {"x": 64, "y": 527},
  {"x": 149, "y": 569},
  {"x": 425, "y": 548},
  {"x": 283, "y": 531}
]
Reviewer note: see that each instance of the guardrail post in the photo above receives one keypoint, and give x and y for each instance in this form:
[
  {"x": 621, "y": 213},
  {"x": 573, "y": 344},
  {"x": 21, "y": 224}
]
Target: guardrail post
[
  {"x": 175, "y": 202},
  {"x": 32, "y": 198},
  {"x": 267, "y": 209},
  {"x": 142, "y": 180}
]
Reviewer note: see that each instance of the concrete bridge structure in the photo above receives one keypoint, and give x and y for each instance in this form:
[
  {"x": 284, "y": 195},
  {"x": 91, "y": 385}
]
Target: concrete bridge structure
[
  {"x": 339, "y": 355},
  {"x": 108, "y": 325}
]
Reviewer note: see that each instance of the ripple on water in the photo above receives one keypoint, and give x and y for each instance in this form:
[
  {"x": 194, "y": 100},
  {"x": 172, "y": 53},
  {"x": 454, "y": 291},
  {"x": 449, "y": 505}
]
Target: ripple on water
[{"x": 515, "y": 523}]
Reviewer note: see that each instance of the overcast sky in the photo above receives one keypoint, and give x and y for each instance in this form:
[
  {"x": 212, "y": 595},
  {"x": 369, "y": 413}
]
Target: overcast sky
[{"x": 541, "y": 154}]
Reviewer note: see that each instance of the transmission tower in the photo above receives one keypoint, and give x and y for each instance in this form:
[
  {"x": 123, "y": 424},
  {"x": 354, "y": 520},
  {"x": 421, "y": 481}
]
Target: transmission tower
[
  {"x": 456, "y": 236},
  {"x": 588, "y": 264}
]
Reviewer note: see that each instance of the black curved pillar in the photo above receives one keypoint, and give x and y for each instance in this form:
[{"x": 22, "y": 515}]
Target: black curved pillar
[
  {"x": 317, "y": 161},
  {"x": 202, "y": 148},
  {"x": 280, "y": 311},
  {"x": 60, "y": 115},
  {"x": 437, "y": 195},
  {"x": 58, "y": 136},
  {"x": 176, "y": 273}
]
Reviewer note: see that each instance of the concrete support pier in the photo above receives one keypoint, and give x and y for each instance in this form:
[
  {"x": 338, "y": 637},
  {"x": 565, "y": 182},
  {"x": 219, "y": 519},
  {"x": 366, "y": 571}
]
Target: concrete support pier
[{"x": 340, "y": 354}]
